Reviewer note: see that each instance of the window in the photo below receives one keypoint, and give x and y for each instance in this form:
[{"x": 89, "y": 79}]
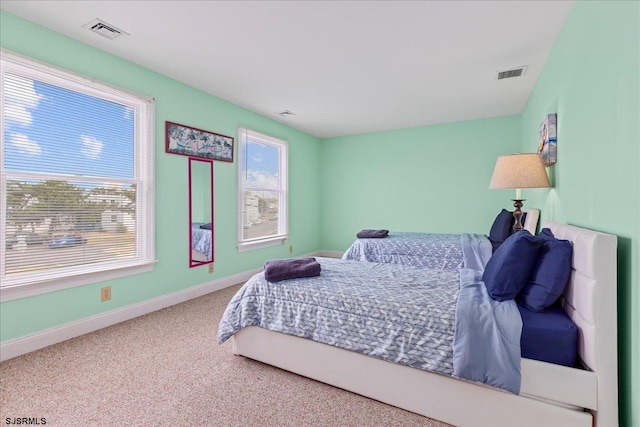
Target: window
[
  {"x": 76, "y": 180},
  {"x": 262, "y": 190}
]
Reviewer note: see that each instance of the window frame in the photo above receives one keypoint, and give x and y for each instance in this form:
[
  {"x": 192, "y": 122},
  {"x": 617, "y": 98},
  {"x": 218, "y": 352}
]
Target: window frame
[
  {"x": 31, "y": 284},
  {"x": 283, "y": 201}
]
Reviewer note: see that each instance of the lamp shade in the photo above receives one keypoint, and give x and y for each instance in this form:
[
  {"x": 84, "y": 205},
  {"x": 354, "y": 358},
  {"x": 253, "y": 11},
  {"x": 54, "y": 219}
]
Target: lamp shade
[{"x": 524, "y": 170}]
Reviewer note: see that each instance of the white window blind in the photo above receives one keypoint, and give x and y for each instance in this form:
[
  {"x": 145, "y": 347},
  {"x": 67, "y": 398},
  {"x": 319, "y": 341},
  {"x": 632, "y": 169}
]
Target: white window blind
[
  {"x": 76, "y": 179},
  {"x": 262, "y": 192}
]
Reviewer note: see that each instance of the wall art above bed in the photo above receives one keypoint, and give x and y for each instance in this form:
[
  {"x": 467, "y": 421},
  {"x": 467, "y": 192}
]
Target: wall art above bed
[
  {"x": 193, "y": 142},
  {"x": 548, "y": 146}
]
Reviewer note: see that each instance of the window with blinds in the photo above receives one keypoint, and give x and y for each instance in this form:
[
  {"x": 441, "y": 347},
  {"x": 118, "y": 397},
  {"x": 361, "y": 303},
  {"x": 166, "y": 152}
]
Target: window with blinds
[
  {"x": 76, "y": 179},
  {"x": 262, "y": 192}
]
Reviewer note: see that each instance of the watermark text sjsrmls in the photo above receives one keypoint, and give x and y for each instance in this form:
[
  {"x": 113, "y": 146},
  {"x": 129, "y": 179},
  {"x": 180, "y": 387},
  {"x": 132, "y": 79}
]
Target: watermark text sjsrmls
[{"x": 26, "y": 421}]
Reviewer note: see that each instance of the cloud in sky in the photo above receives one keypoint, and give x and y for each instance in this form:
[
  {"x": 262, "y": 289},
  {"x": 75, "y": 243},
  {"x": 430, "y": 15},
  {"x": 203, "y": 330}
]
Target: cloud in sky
[
  {"x": 20, "y": 97},
  {"x": 25, "y": 145},
  {"x": 261, "y": 180},
  {"x": 91, "y": 147},
  {"x": 17, "y": 113}
]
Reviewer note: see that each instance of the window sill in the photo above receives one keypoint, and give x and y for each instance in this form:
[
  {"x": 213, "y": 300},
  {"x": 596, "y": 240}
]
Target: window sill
[
  {"x": 11, "y": 293},
  {"x": 260, "y": 244}
]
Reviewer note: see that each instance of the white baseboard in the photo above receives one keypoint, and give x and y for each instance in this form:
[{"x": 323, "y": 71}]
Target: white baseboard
[
  {"x": 28, "y": 343},
  {"x": 329, "y": 254},
  {"x": 32, "y": 342}
]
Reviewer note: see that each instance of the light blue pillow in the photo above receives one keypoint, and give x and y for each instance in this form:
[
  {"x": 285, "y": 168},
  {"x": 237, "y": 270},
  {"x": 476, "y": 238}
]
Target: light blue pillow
[{"x": 510, "y": 267}]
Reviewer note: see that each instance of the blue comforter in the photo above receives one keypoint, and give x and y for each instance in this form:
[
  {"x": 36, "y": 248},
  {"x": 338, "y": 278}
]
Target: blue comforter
[
  {"x": 486, "y": 344},
  {"x": 400, "y": 314},
  {"x": 422, "y": 250}
]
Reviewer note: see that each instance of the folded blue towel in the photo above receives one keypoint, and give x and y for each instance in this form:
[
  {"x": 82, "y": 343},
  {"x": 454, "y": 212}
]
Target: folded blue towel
[
  {"x": 372, "y": 234},
  {"x": 282, "y": 269}
]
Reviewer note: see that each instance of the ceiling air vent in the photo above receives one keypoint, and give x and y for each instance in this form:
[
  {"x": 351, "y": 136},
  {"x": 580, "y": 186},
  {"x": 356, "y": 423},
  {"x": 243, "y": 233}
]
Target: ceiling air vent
[
  {"x": 516, "y": 72},
  {"x": 286, "y": 113},
  {"x": 106, "y": 30}
]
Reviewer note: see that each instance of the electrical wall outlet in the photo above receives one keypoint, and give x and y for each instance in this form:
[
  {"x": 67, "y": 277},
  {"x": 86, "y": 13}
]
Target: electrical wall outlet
[
  {"x": 211, "y": 268},
  {"x": 105, "y": 293},
  {"x": 291, "y": 249}
]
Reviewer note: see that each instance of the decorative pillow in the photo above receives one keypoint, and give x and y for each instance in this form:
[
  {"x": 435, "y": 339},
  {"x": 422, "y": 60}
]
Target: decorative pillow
[
  {"x": 550, "y": 276},
  {"x": 510, "y": 268},
  {"x": 545, "y": 232},
  {"x": 501, "y": 228}
]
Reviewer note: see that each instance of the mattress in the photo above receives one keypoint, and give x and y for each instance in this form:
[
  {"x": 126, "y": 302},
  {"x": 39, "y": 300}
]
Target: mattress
[{"x": 549, "y": 336}]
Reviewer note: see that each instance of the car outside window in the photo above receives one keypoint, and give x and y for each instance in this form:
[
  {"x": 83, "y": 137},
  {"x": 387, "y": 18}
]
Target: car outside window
[{"x": 75, "y": 154}]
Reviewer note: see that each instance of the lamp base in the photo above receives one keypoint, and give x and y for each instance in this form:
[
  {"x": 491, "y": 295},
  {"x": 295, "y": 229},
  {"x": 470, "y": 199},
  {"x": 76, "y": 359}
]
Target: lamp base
[{"x": 517, "y": 214}]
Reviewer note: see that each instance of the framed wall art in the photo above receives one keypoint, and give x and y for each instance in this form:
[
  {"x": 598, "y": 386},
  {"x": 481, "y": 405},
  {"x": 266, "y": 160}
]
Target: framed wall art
[
  {"x": 548, "y": 146},
  {"x": 194, "y": 142}
]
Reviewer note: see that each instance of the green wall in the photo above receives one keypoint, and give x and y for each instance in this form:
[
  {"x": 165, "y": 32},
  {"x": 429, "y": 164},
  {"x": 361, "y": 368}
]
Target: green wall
[
  {"x": 182, "y": 104},
  {"x": 435, "y": 178},
  {"x": 432, "y": 179},
  {"x": 592, "y": 81}
]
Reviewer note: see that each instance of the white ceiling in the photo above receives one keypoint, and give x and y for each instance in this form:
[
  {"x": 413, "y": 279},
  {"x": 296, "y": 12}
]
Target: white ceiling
[{"x": 343, "y": 67}]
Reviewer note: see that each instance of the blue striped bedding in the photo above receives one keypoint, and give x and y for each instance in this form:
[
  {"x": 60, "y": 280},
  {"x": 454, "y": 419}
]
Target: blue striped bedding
[
  {"x": 422, "y": 250},
  {"x": 201, "y": 240},
  {"x": 400, "y": 314}
]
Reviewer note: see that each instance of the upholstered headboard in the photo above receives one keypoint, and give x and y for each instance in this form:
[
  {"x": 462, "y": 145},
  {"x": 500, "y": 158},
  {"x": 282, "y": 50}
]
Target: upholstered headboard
[{"x": 591, "y": 301}]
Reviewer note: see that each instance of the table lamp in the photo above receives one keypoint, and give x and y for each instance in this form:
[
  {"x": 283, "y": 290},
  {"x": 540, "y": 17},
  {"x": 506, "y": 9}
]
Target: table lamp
[{"x": 518, "y": 171}]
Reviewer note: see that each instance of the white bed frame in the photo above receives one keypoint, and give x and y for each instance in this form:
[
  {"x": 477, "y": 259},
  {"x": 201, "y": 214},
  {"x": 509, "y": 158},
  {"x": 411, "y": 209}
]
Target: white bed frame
[{"x": 551, "y": 395}]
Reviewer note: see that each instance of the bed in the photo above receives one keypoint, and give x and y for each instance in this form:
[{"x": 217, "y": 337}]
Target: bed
[
  {"x": 201, "y": 239},
  {"x": 428, "y": 250},
  {"x": 549, "y": 395}
]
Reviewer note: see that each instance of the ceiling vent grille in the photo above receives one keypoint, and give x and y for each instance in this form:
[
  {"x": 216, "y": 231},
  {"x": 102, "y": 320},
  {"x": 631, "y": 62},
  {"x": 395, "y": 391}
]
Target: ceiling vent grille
[
  {"x": 516, "y": 72},
  {"x": 106, "y": 30},
  {"x": 286, "y": 113}
]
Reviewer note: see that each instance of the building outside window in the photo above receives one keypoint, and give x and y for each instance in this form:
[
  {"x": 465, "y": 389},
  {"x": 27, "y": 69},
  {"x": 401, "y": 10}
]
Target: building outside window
[
  {"x": 262, "y": 192},
  {"x": 75, "y": 155}
]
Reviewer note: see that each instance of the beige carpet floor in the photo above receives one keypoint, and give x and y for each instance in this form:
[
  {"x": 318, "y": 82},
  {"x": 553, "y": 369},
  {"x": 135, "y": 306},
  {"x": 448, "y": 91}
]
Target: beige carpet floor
[{"x": 166, "y": 369}]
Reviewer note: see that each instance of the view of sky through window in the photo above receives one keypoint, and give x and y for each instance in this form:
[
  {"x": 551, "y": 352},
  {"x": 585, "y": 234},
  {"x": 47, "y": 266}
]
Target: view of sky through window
[
  {"x": 76, "y": 157},
  {"x": 260, "y": 165},
  {"x": 53, "y": 130}
]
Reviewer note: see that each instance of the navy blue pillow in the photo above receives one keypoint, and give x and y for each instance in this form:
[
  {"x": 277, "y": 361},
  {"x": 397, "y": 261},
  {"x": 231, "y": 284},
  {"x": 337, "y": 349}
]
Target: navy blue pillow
[
  {"x": 545, "y": 232},
  {"x": 501, "y": 228},
  {"x": 550, "y": 276},
  {"x": 510, "y": 268}
]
